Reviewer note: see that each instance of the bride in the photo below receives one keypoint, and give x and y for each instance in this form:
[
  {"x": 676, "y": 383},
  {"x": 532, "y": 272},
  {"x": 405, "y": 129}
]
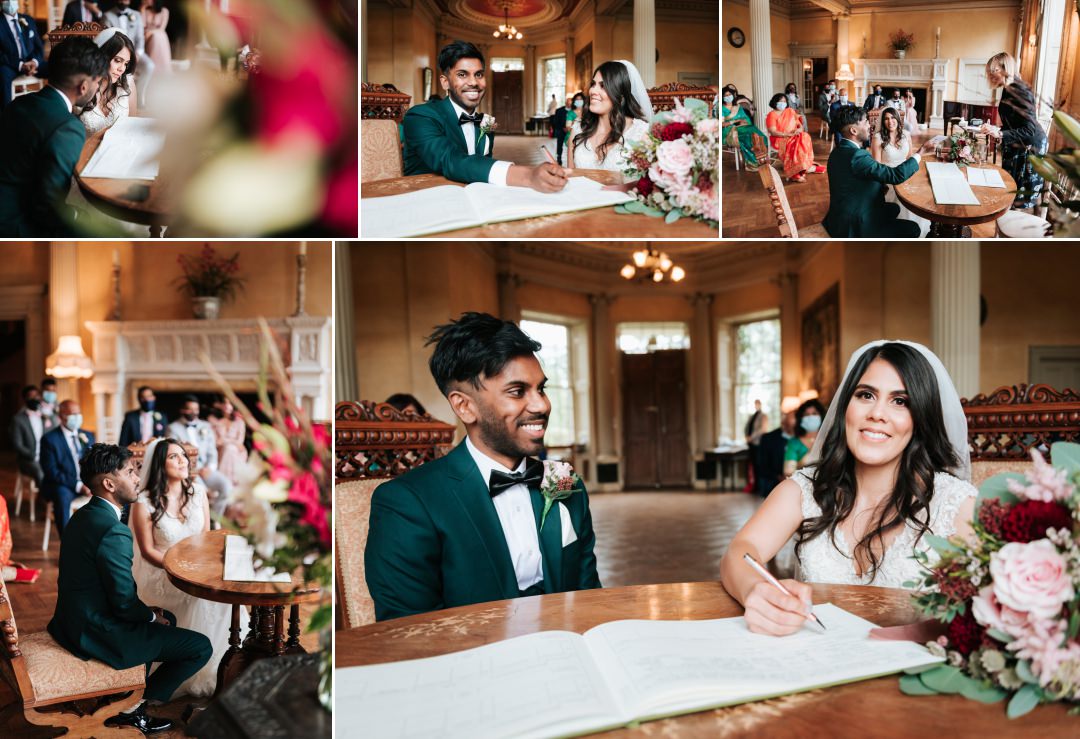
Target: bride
[
  {"x": 891, "y": 465},
  {"x": 172, "y": 506},
  {"x": 117, "y": 98},
  {"x": 892, "y": 148},
  {"x": 618, "y": 112}
]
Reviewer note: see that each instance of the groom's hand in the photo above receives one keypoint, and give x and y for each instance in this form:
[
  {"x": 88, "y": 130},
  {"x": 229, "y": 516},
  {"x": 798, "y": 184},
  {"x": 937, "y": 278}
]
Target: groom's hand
[{"x": 159, "y": 617}]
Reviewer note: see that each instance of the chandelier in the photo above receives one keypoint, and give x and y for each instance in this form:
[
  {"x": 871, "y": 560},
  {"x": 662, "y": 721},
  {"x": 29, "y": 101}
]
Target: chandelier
[
  {"x": 506, "y": 30},
  {"x": 651, "y": 265}
]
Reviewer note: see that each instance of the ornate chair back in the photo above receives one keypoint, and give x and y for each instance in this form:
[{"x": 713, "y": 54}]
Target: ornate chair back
[
  {"x": 383, "y": 102},
  {"x": 1004, "y": 426},
  {"x": 382, "y": 150},
  {"x": 89, "y": 30},
  {"x": 373, "y": 442},
  {"x": 663, "y": 96}
]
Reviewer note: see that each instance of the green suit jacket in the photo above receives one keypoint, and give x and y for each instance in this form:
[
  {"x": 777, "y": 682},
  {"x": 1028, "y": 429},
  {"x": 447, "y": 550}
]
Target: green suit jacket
[
  {"x": 857, "y": 204},
  {"x": 98, "y": 611},
  {"x": 42, "y": 141},
  {"x": 435, "y": 144},
  {"x": 435, "y": 542}
]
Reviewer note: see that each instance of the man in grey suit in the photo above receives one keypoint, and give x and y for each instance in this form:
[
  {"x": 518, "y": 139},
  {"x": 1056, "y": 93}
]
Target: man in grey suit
[
  {"x": 27, "y": 428},
  {"x": 190, "y": 428},
  {"x": 130, "y": 23}
]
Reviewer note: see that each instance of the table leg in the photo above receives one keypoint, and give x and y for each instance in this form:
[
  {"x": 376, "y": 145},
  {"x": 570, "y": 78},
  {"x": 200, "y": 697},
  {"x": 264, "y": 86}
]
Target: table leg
[
  {"x": 949, "y": 231},
  {"x": 264, "y": 642},
  {"x": 235, "y": 660},
  {"x": 292, "y": 646},
  {"x": 279, "y": 630}
]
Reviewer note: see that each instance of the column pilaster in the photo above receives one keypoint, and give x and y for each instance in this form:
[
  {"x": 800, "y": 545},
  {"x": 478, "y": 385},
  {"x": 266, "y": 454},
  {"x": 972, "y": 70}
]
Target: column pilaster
[
  {"x": 645, "y": 40},
  {"x": 954, "y": 311},
  {"x": 345, "y": 379},
  {"x": 761, "y": 59}
]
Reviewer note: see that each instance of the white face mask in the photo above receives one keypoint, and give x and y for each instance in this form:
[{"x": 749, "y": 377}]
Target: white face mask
[
  {"x": 781, "y": 105},
  {"x": 11, "y": 7},
  {"x": 728, "y": 98},
  {"x": 843, "y": 98}
]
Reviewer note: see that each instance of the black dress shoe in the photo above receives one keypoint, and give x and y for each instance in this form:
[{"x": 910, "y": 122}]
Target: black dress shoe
[{"x": 141, "y": 721}]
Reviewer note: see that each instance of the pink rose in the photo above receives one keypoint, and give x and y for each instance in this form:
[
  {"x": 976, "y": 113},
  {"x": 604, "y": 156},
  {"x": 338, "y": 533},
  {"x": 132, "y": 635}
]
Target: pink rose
[
  {"x": 1031, "y": 577},
  {"x": 557, "y": 469},
  {"x": 675, "y": 157},
  {"x": 988, "y": 612}
]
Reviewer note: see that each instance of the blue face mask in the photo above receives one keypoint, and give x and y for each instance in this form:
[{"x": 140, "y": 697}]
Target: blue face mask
[
  {"x": 73, "y": 422},
  {"x": 11, "y": 7},
  {"x": 781, "y": 105},
  {"x": 579, "y": 103},
  {"x": 146, "y": 405},
  {"x": 810, "y": 423},
  {"x": 728, "y": 99},
  {"x": 49, "y": 396}
]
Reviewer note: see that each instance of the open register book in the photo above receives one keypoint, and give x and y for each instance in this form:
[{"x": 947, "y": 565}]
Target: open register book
[
  {"x": 449, "y": 207},
  {"x": 557, "y": 683},
  {"x": 130, "y": 150}
]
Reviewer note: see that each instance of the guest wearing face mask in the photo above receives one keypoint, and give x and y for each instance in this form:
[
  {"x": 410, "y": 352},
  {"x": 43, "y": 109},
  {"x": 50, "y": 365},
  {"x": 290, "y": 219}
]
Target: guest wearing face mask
[
  {"x": 83, "y": 11},
  {"x": 875, "y": 99},
  {"x": 558, "y": 127},
  {"x": 787, "y": 136},
  {"x": 577, "y": 107},
  {"x": 48, "y": 402},
  {"x": 144, "y": 423},
  {"x": 739, "y": 129},
  {"x": 21, "y": 49},
  {"x": 808, "y": 418},
  {"x": 841, "y": 101},
  {"x": 62, "y": 451},
  {"x": 27, "y": 428},
  {"x": 193, "y": 430}
]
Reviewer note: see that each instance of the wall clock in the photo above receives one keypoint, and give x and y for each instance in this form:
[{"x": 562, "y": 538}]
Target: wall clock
[{"x": 735, "y": 37}]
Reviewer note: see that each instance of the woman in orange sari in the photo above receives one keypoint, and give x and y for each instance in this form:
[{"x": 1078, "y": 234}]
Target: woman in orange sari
[{"x": 787, "y": 136}]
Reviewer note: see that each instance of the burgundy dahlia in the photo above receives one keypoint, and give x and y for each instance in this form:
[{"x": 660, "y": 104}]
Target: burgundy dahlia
[
  {"x": 645, "y": 186},
  {"x": 1028, "y": 520},
  {"x": 954, "y": 581},
  {"x": 964, "y": 633},
  {"x": 675, "y": 131}
]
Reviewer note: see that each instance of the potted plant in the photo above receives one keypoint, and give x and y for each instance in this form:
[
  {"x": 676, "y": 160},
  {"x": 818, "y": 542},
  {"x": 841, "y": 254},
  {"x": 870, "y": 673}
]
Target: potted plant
[
  {"x": 900, "y": 42},
  {"x": 209, "y": 279}
]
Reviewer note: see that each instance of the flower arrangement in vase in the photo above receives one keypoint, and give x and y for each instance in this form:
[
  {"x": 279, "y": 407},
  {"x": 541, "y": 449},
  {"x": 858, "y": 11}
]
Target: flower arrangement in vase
[
  {"x": 209, "y": 279},
  {"x": 900, "y": 41}
]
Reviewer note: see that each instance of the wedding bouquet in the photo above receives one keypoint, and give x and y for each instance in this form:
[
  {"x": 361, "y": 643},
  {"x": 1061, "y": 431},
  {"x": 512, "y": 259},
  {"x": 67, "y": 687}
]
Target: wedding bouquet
[
  {"x": 961, "y": 148},
  {"x": 677, "y": 165},
  {"x": 1010, "y": 599}
]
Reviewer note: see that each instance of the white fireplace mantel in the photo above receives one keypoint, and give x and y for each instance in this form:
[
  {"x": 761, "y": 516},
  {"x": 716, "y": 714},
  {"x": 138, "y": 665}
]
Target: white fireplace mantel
[
  {"x": 929, "y": 73},
  {"x": 131, "y": 353}
]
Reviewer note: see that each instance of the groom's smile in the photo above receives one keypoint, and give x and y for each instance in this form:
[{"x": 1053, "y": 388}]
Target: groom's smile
[{"x": 465, "y": 83}]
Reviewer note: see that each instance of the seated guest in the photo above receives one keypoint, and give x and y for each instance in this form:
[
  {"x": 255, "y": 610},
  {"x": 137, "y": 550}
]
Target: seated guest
[
  {"x": 21, "y": 49},
  {"x": 62, "y": 451},
  {"x": 787, "y": 136},
  {"x": 841, "y": 101},
  {"x": 857, "y": 204},
  {"x": 99, "y": 614},
  {"x": 117, "y": 97},
  {"x": 794, "y": 102},
  {"x": 466, "y": 528},
  {"x": 807, "y": 421},
  {"x": 739, "y": 130},
  {"x": 27, "y": 428},
  {"x": 825, "y": 99},
  {"x": 144, "y": 423},
  {"x": 130, "y": 23},
  {"x": 48, "y": 401},
  {"x": 190, "y": 428},
  {"x": 85, "y": 11},
  {"x": 42, "y": 141},
  {"x": 874, "y": 100},
  {"x": 446, "y": 138},
  {"x": 770, "y": 460}
]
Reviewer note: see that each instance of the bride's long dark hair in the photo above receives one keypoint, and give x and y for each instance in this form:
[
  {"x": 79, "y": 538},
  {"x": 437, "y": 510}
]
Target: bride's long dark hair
[
  {"x": 112, "y": 91},
  {"x": 886, "y": 137},
  {"x": 623, "y": 105},
  {"x": 157, "y": 482},
  {"x": 927, "y": 453}
]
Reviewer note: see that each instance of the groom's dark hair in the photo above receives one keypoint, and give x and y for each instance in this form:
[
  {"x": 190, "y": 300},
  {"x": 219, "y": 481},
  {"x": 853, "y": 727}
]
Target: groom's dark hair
[
  {"x": 476, "y": 345},
  {"x": 101, "y": 460},
  {"x": 454, "y": 52},
  {"x": 74, "y": 57},
  {"x": 847, "y": 115}
]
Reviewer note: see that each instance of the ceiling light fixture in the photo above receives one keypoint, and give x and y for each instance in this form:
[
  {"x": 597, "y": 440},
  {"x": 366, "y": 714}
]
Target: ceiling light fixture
[
  {"x": 506, "y": 30},
  {"x": 650, "y": 265}
]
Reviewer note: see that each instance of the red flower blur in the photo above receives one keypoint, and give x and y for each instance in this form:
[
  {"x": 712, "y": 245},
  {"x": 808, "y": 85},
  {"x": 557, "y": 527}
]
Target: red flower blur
[
  {"x": 1028, "y": 520},
  {"x": 675, "y": 131},
  {"x": 964, "y": 633}
]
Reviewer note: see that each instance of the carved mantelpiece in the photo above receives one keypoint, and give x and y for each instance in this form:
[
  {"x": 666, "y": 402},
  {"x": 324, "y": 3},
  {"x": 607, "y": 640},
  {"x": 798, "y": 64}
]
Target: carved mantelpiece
[
  {"x": 131, "y": 353},
  {"x": 933, "y": 74}
]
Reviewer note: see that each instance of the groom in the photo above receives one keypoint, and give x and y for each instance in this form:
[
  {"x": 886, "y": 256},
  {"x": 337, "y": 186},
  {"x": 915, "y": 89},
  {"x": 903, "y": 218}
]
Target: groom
[
  {"x": 98, "y": 611},
  {"x": 857, "y": 182},
  {"x": 466, "y": 528},
  {"x": 445, "y": 137}
]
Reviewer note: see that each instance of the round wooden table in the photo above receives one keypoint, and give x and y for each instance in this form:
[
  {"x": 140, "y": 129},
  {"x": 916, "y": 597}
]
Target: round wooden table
[
  {"x": 955, "y": 221},
  {"x": 117, "y": 198},
  {"x": 867, "y": 708},
  {"x": 196, "y": 566}
]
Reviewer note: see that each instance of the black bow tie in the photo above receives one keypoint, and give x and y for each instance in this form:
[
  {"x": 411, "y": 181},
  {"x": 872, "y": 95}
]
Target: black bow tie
[
  {"x": 193, "y": 424},
  {"x": 530, "y": 477},
  {"x": 466, "y": 118}
]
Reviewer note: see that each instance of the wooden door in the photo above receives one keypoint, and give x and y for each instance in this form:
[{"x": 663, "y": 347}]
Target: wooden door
[
  {"x": 656, "y": 443},
  {"x": 509, "y": 104}
]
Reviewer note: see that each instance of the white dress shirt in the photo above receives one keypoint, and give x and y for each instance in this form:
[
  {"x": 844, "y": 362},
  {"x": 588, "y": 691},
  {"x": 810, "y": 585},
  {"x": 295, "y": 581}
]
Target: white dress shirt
[
  {"x": 119, "y": 513},
  {"x": 13, "y": 26},
  {"x": 497, "y": 175},
  {"x": 146, "y": 425},
  {"x": 514, "y": 509},
  {"x": 39, "y": 428}
]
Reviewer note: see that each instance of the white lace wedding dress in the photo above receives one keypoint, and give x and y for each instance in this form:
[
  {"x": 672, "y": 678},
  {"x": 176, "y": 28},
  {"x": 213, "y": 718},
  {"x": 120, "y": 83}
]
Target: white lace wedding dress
[
  {"x": 204, "y": 616},
  {"x": 892, "y": 157},
  {"x": 821, "y": 562},
  {"x": 94, "y": 119},
  {"x": 614, "y": 159}
]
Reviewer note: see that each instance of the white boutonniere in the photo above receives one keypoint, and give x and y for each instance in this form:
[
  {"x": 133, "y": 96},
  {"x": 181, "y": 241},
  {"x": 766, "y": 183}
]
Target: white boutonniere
[
  {"x": 203, "y": 432},
  {"x": 83, "y": 439},
  {"x": 560, "y": 482},
  {"x": 487, "y": 125},
  {"x": 23, "y": 23},
  {"x": 157, "y": 416}
]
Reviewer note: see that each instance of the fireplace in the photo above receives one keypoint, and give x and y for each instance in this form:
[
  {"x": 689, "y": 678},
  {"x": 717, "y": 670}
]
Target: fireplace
[
  {"x": 166, "y": 356},
  {"x": 927, "y": 79}
]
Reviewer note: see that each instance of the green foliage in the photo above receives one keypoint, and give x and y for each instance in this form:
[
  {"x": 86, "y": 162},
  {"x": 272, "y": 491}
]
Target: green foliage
[
  {"x": 998, "y": 487},
  {"x": 1023, "y": 701},
  {"x": 1066, "y": 455}
]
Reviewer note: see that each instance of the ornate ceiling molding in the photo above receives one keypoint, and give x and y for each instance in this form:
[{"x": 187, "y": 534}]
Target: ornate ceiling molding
[{"x": 550, "y": 11}]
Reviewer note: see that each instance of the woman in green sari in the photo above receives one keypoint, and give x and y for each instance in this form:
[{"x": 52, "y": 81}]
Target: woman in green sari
[{"x": 737, "y": 123}]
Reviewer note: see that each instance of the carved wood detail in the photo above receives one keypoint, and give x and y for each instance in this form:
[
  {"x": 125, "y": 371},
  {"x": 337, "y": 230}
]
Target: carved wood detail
[
  {"x": 375, "y": 440},
  {"x": 778, "y": 199},
  {"x": 383, "y": 101},
  {"x": 1011, "y": 421},
  {"x": 663, "y": 96},
  {"x": 79, "y": 28}
]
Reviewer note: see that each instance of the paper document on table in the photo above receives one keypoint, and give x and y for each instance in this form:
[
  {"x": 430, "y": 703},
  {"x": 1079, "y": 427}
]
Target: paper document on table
[
  {"x": 949, "y": 184},
  {"x": 615, "y": 674},
  {"x": 985, "y": 178},
  {"x": 450, "y": 207},
  {"x": 240, "y": 563},
  {"x": 130, "y": 150}
]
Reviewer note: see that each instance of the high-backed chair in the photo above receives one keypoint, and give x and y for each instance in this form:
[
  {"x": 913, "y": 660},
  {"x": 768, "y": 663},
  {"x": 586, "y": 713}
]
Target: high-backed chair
[
  {"x": 774, "y": 185},
  {"x": 1004, "y": 426},
  {"x": 89, "y": 30},
  {"x": 372, "y": 443},
  {"x": 663, "y": 96},
  {"x": 42, "y": 674},
  {"x": 383, "y": 102},
  {"x": 381, "y": 145}
]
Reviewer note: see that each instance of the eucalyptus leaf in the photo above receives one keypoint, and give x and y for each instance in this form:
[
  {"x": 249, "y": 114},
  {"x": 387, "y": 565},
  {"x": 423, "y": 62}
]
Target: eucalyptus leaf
[
  {"x": 1023, "y": 701},
  {"x": 940, "y": 543},
  {"x": 673, "y": 215},
  {"x": 634, "y": 206},
  {"x": 651, "y": 211},
  {"x": 1066, "y": 455},
  {"x": 945, "y": 679},
  {"x": 978, "y": 691},
  {"x": 912, "y": 685},
  {"x": 1023, "y": 671},
  {"x": 920, "y": 669},
  {"x": 621, "y": 209},
  {"x": 998, "y": 487},
  {"x": 1000, "y": 636}
]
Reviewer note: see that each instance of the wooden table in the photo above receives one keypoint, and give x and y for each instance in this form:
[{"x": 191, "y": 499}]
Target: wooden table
[
  {"x": 603, "y": 222},
  {"x": 114, "y": 196},
  {"x": 868, "y": 708},
  {"x": 955, "y": 221},
  {"x": 195, "y": 565}
]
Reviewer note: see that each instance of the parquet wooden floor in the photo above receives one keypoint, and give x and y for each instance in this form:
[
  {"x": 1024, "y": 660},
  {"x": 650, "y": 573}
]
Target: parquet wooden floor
[{"x": 747, "y": 212}]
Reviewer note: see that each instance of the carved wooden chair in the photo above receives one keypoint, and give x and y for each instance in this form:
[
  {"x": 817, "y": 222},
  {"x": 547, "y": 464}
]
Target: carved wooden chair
[
  {"x": 1004, "y": 426},
  {"x": 381, "y": 145},
  {"x": 43, "y": 674},
  {"x": 384, "y": 102},
  {"x": 663, "y": 96},
  {"x": 774, "y": 186},
  {"x": 373, "y": 442},
  {"x": 79, "y": 28}
]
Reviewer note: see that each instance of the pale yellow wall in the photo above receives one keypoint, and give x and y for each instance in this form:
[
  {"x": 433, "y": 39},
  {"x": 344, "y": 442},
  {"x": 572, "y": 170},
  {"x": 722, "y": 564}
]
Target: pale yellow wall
[
  {"x": 745, "y": 300},
  {"x": 400, "y": 44},
  {"x": 545, "y": 299},
  {"x": 820, "y": 272},
  {"x": 735, "y": 64},
  {"x": 905, "y": 286},
  {"x": 633, "y": 308},
  {"x": 23, "y": 263},
  {"x": 683, "y": 47}
]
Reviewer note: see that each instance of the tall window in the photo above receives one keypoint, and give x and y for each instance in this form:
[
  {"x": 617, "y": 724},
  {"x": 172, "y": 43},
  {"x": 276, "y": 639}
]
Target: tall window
[
  {"x": 555, "y": 359},
  {"x": 1046, "y": 75},
  {"x": 642, "y": 338},
  {"x": 757, "y": 371},
  {"x": 553, "y": 80}
]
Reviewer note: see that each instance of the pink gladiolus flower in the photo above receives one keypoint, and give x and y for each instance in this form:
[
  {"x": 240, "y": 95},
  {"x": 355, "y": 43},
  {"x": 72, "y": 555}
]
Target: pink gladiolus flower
[
  {"x": 342, "y": 195},
  {"x": 1046, "y": 483},
  {"x": 1031, "y": 577},
  {"x": 1045, "y": 645},
  {"x": 305, "y": 492},
  {"x": 279, "y": 467}
]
